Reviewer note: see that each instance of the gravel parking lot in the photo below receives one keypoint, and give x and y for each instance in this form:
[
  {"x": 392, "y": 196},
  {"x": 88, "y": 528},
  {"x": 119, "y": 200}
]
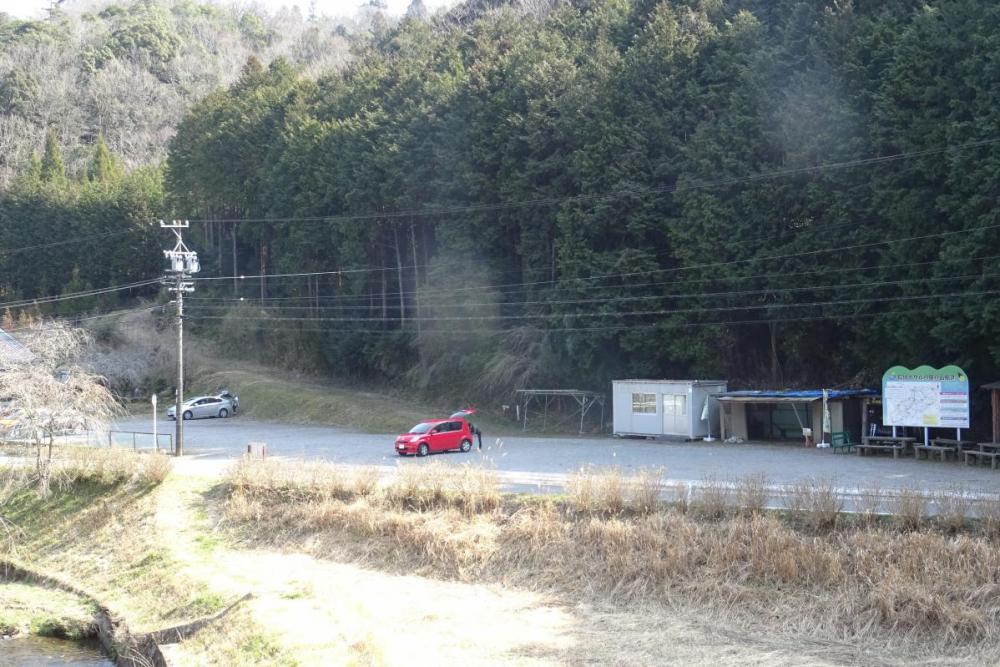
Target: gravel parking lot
[{"x": 548, "y": 457}]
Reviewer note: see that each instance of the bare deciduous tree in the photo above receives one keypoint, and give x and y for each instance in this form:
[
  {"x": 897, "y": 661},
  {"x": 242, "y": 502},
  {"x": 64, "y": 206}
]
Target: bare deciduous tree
[{"x": 47, "y": 391}]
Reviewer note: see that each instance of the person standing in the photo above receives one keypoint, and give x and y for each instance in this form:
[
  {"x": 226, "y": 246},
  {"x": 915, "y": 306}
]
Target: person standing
[{"x": 473, "y": 429}]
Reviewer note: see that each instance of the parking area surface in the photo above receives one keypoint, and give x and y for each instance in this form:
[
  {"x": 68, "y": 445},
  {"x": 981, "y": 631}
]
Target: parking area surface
[{"x": 543, "y": 457}]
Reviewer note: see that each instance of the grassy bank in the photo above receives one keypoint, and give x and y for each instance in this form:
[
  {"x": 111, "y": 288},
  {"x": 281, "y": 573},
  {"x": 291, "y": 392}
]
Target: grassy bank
[
  {"x": 95, "y": 529},
  {"x": 913, "y": 590},
  {"x": 31, "y": 609}
]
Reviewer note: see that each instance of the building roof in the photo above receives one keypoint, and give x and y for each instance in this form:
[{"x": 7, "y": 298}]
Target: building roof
[
  {"x": 694, "y": 382},
  {"x": 992, "y": 385},
  {"x": 791, "y": 396}
]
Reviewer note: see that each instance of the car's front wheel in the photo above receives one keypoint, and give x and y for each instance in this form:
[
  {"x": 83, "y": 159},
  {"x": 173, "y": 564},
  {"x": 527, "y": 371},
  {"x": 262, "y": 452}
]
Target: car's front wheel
[
  {"x": 187, "y": 415},
  {"x": 423, "y": 449},
  {"x": 466, "y": 445},
  {"x": 223, "y": 413}
]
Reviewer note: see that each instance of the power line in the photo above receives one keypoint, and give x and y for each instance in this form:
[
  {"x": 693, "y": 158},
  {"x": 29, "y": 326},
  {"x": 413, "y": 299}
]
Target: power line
[
  {"x": 626, "y": 286},
  {"x": 696, "y": 295},
  {"x": 677, "y": 311},
  {"x": 709, "y": 265},
  {"x": 617, "y": 327},
  {"x": 76, "y": 320},
  {"x": 676, "y": 187},
  {"x": 78, "y": 295},
  {"x": 53, "y": 244}
]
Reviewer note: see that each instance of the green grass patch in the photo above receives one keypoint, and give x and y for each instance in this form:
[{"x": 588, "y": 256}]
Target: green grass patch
[
  {"x": 26, "y": 608},
  {"x": 267, "y": 396}
]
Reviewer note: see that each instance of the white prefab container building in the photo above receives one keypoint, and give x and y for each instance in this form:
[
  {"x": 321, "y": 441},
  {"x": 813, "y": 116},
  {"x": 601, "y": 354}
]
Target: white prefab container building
[{"x": 666, "y": 407}]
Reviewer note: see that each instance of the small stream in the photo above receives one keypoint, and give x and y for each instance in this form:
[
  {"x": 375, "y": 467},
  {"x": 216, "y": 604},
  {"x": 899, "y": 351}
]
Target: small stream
[{"x": 30, "y": 651}]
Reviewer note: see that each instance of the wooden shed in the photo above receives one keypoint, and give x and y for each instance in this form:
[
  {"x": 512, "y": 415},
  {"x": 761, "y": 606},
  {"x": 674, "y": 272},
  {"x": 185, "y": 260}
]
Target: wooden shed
[{"x": 994, "y": 389}]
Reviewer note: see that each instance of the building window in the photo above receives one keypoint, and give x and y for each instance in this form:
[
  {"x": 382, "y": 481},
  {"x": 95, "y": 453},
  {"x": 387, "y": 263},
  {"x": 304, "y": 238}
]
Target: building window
[
  {"x": 675, "y": 405},
  {"x": 644, "y": 404}
]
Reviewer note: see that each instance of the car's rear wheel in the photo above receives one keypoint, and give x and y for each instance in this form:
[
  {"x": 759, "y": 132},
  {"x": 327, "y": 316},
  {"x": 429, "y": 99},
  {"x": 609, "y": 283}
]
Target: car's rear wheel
[
  {"x": 187, "y": 414},
  {"x": 223, "y": 413},
  {"x": 466, "y": 445},
  {"x": 423, "y": 449}
]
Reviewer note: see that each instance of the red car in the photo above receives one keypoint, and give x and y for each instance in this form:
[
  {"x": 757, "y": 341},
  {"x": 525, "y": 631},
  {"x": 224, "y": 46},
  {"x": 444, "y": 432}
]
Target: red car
[{"x": 435, "y": 435}]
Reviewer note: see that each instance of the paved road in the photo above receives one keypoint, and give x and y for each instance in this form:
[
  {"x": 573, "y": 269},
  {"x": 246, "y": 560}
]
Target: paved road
[{"x": 549, "y": 458}]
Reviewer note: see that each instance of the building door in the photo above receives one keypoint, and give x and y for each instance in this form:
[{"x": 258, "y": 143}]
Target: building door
[{"x": 675, "y": 421}]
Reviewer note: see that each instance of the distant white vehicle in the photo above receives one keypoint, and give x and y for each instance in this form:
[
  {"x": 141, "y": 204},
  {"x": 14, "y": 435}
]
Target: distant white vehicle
[{"x": 201, "y": 407}]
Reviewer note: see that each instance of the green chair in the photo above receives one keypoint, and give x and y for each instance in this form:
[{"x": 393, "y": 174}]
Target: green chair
[{"x": 841, "y": 440}]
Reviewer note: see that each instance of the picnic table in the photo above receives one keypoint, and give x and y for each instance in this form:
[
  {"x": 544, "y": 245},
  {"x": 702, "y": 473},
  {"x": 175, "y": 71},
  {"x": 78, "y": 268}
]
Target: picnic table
[
  {"x": 885, "y": 443},
  {"x": 985, "y": 451},
  {"x": 944, "y": 447}
]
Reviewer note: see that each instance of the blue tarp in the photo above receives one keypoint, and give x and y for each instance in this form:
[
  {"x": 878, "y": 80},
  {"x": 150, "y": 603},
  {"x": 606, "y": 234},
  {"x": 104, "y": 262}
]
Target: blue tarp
[{"x": 805, "y": 394}]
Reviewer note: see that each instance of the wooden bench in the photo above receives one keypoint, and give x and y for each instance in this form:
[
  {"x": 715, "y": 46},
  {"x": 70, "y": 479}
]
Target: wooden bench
[
  {"x": 895, "y": 449},
  {"x": 929, "y": 451},
  {"x": 981, "y": 456}
]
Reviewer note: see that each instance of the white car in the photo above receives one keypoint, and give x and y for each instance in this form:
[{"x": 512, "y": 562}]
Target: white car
[{"x": 202, "y": 406}]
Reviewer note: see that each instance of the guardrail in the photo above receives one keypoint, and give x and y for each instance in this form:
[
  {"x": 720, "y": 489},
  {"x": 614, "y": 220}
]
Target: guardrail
[{"x": 141, "y": 440}]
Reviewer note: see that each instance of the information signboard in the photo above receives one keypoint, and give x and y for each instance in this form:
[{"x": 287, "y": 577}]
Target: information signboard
[{"x": 926, "y": 397}]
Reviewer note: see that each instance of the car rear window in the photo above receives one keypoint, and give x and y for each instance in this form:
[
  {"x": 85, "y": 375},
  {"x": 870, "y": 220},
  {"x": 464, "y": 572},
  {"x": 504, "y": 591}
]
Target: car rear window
[{"x": 420, "y": 428}]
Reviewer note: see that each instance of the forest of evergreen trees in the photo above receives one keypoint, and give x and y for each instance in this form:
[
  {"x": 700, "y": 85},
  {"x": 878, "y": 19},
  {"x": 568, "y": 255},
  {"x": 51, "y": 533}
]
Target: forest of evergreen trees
[{"x": 775, "y": 192}]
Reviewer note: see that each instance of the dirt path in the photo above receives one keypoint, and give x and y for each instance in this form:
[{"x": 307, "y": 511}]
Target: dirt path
[{"x": 329, "y": 613}]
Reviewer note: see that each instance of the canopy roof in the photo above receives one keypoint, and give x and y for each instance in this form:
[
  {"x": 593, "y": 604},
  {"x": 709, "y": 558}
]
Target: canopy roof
[{"x": 791, "y": 396}]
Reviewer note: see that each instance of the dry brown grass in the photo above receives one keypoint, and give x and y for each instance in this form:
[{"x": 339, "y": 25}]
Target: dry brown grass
[
  {"x": 752, "y": 493},
  {"x": 72, "y": 465},
  {"x": 845, "y": 581},
  {"x": 954, "y": 508},
  {"x": 988, "y": 511},
  {"x": 816, "y": 503},
  {"x": 868, "y": 505},
  {"x": 909, "y": 508},
  {"x": 610, "y": 491},
  {"x": 711, "y": 498}
]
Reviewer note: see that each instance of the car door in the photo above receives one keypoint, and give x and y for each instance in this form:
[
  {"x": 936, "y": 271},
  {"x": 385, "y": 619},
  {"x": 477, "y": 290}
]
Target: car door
[
  {"x": 435, "y": 438},
  {"x": 198, "y": 408},
  {"x": 454, "y": 435},
  {"x": 212, "y": 406}
]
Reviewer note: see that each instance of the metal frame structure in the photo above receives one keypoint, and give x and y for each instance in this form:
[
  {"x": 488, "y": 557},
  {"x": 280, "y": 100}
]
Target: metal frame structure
[{"x": 583, "y": 401}]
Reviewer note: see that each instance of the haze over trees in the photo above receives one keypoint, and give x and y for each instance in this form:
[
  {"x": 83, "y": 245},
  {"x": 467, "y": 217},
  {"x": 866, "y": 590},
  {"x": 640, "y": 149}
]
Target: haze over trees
[{"x": 559, "y": 194}]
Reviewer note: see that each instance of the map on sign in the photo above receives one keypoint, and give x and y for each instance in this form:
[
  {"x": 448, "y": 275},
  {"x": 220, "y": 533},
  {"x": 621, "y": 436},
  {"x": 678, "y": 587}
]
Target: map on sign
[{"x": 925, "y": 396}]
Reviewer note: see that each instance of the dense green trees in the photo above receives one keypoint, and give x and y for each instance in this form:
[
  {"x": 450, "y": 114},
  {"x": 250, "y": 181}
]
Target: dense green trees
[
  {"x": 618, "y": 188},
  {"x": 68, "y": 233},
  {"x": 778, "y": 192}
]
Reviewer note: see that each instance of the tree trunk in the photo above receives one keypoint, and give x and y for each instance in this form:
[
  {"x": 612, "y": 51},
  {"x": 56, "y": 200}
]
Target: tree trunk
[
  {"x": 399, "y": 277},
  {"x": 385, "y": 281},
  {"x": 416, "y": 275},
  {"x": 775, "y": 368},
  {"x": 263, "y": 270},
  {"x": 236, "y": 285}
]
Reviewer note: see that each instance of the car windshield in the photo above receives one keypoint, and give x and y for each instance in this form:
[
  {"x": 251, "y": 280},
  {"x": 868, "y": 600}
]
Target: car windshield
[{"x": 421, "y": 428}]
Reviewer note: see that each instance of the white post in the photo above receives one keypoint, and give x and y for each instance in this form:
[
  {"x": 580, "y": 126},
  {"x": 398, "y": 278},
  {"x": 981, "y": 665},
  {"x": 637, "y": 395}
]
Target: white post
[
  {"x": 825, "y": 418},
  {"x": 927, "y": 437},
  {"x": 958, "y": 434},
  {"x": 156, "y": 441}
]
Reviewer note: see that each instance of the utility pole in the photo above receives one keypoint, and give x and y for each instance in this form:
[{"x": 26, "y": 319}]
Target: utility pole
[{"x": 183, "y": 263}]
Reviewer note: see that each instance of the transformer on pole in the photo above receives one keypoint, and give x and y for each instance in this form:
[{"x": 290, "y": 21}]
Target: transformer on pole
[{"x": 182, "y": 263}]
